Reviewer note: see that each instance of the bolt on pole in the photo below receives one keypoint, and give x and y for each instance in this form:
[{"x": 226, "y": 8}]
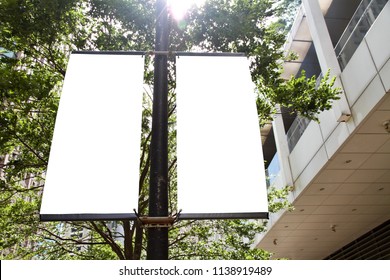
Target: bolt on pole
[{"x": 157, "y": 247}]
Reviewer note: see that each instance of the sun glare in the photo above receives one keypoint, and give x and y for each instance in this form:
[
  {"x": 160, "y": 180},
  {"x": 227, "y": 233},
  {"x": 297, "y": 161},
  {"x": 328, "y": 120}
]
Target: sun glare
[{"x": 179, "y": 8}]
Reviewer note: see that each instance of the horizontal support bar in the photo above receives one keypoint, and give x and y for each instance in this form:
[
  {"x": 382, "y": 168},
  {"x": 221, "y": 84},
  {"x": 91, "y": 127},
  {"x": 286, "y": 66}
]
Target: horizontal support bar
[
  {"x": 110, "y": 52},
  {"x": 209, "y": 54},
  {"x": 225, "y": 216},
  {"x": 87, "y": 217},
  {"x": 152, "y": 220},
  {"x": 168, "y": 53}
]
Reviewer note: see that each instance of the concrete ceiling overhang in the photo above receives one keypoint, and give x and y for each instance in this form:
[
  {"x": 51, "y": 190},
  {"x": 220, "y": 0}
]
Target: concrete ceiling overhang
[{"x": 298, "y": 43}]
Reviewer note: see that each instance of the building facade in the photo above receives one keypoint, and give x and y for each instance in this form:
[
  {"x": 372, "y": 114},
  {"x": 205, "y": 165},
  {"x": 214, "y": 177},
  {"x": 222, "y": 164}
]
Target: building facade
[{"x": 339, "y": 167}]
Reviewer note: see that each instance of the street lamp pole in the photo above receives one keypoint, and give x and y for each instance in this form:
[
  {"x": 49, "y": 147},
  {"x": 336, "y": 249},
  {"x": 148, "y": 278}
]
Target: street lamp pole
[{"x": 157, "y": 248}]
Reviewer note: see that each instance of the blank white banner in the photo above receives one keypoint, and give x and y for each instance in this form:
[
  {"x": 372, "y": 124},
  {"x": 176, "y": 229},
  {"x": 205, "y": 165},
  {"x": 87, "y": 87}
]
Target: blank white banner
[
  {"x": 220, "y": 160},
  {"x": 93, "y": 169}
]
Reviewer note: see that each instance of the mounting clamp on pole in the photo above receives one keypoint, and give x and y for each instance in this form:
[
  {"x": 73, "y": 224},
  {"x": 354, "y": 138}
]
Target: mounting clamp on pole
[
  {"x": 157, "y": 222},
  {"x": 167, "y": 53}
]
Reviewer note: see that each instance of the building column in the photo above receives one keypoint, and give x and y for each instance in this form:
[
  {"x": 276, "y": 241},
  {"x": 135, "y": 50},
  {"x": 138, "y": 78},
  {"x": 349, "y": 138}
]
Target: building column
[
  {"x": 325, "y": 51},
  {"x": 282, "y": 148}
]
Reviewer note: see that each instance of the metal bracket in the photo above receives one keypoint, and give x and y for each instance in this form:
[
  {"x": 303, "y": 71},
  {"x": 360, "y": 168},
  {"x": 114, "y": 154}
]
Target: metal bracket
[
  {"x": 157, "y": 222},
  {"x": 344, "y": 118}
]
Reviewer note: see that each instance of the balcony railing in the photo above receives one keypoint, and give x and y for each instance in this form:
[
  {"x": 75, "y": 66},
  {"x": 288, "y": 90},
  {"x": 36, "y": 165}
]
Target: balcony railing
[
  {"x": 296, "y": 130},
  {"x": 361, "y": 21}
]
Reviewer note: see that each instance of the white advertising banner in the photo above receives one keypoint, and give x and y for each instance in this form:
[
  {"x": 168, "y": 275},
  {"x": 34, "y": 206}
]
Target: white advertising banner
[
  {"x": 220, "y": 160},
  {"x": 93, "y": 169}
]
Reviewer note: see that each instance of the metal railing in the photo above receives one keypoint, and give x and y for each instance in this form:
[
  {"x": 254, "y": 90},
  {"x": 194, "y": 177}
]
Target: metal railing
[
  {"x": 296, "y": 130},
  {"x": 353, "y": 35}
]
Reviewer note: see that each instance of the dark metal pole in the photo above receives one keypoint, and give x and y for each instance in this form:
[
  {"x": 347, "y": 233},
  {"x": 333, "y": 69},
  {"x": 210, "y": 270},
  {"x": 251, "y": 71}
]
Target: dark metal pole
[{"x": 158, "y": 190}]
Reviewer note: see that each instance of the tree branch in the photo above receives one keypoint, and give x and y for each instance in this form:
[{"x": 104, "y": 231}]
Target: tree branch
[
  {"x": 110, "y": 242},
  {"x": 128, "y": 240},
  {"x": 29, "y": 148},
  {"x": 139, "y": 233}
]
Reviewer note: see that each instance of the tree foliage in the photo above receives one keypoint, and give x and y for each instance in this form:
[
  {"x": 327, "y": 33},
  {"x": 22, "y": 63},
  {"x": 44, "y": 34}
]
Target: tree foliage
[{"x": 43, "y": 33}]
